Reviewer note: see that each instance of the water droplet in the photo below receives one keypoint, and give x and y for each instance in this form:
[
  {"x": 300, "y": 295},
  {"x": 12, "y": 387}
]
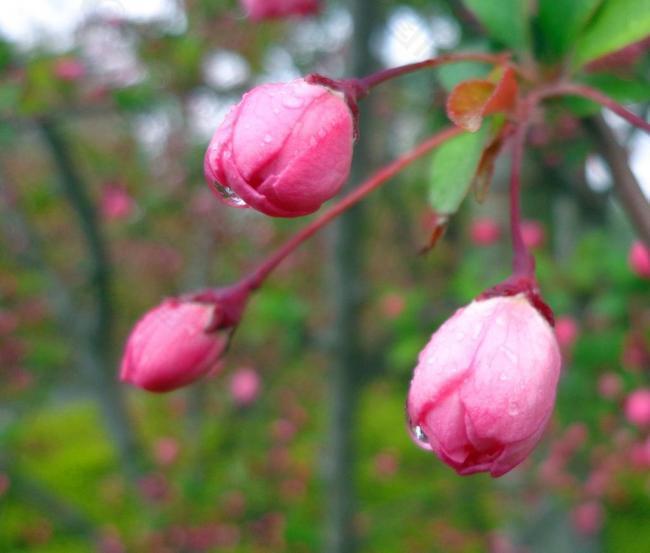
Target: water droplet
[
  {"x": 420, "y": 437},
  {"x": 504, "y": 377},
  {"x": 513, "y": 408},
  {"x": 229, "y": 196},
  {"x": 227, "y": 154},
  {"x": 268, "y": 138},
  {"x": 292, "y": 102}
]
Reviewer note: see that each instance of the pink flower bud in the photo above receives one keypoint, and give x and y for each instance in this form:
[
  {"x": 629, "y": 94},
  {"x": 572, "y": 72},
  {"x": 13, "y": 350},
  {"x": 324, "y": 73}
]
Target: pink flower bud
[
  {"x": 639, "y": 259},
  {"x": 533, "y": 234},
  {"x": 259, "y": 10},
  {"x": 588, "y": 517},
  {"x": 637, "y": 407},
  {"x": 170, "y": 347},
  {"x": 484, "y": 387},
  {"x": 245, "y": 386},
  {"x": 283, "y": 150},
  {"x": 484, "y": 232},
  {"x": 567, "y": 331}
]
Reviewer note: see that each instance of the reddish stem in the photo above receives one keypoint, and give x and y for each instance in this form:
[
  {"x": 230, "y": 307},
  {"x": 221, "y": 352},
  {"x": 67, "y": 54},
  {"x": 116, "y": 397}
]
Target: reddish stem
[
  {"x": 523, "y": 263},
  {"x": 375, "y": 79},
  {"x": 256, "y": 278},
  {"x": 572, "y": 89}
]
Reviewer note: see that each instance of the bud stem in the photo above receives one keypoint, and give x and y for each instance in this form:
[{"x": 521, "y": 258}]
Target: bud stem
[
  {"x": 573, "y": 89},
  {"x": 380, "y": 77},
  {"x": 523, "y": 263},
  {"x": 257, "y": 277}
]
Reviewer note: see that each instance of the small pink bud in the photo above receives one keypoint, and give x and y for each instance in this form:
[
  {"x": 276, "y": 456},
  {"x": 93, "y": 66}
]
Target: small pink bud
[
  {"x": 116, "y": 203},
  {"x": 170, "y": 346},
  {"x": 69, "y": 69},
  {"x": 245, "y": 386},
  {"x": 588, "y": 517},
  {"x": 533, "y": 234},
  {"x": 609, "y": 385},
  {"x": 259, "y": 10},
  {"x": 484, "y": 387},
  {"x": 567, "y": 331},
  {"x": 283, "y": 150},
  {"x": 637, "y": 407},
  {"x": 484, "y": 232},
  {"x": 639, "y": 259}
]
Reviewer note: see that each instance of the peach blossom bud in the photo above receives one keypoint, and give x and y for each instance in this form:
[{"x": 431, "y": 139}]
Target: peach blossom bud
[
  {"x": 169, "y": 347},
  {"x": 259, "y": 10},
  {"x": 637, "y": 407},
  {"x": 283, "y": 150},
  {"x": 639, "y": 259},
  {"x": 484, "y": 387},
  {"x": 245, "y": 386},
  {"x": 588, "y": 517},
  {"x": 609, "y": 385},
  {"x": 533, "y": 234},
  {"x": 484, "y": 232},
  {"x": 567, "y": 331}
]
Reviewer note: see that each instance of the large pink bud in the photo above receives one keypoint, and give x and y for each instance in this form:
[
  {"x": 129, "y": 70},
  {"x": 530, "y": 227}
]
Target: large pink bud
[
  {"x": 283, "y": 150},
  {"x": 484, "y": 387},
  {"x": 639, "y": 259},
  {"x": 171, "y": 346},
  {"x": 259, "y": 10}
]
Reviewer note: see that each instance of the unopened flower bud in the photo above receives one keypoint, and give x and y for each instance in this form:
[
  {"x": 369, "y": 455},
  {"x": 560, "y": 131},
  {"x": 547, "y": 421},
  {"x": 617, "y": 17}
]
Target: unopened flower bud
[
  {"x": 172, "y": 346},
  {"x": 259, "y": 10},
  {"x": 484, "y": 387},
  {"x": 283, "y": 150},
  {"x": 639, "y": 259}
]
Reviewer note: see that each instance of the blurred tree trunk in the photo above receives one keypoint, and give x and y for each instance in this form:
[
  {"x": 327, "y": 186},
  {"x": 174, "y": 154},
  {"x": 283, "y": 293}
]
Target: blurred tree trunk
[
  {"x": 94, "y": 345},
  {"x": 347, "y": 357}
]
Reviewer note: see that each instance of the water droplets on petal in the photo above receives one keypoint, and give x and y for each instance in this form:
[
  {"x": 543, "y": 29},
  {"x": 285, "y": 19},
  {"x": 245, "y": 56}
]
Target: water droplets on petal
[{"x": 228, "y": 196}]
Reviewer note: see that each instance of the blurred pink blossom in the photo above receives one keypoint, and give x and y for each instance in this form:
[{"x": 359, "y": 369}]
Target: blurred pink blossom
[
  {"x": 116, "y": 203},
  {"x": 566, "y": 330},
  {"x": 245, "y": 386},
  {"x": 639, "y": 259},
  {"x": 533, "y": 234},
  {"x": 637, "y": 407},
  {"x": 588, "y": 517},
  {"x": 484, "y": 231}
]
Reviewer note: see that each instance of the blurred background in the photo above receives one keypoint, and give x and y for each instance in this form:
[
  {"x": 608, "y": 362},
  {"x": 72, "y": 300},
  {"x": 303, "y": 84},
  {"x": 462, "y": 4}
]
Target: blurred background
[{"x": 297, "y": 442}]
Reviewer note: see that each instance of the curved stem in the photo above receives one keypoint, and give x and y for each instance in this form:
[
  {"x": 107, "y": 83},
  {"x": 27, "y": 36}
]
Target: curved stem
[
  {"x": 380, "y": 77},
  {"x": 257, "y": 277},
  {"x": 572, "y": 89},
  {"x": 523, "y": 263}
]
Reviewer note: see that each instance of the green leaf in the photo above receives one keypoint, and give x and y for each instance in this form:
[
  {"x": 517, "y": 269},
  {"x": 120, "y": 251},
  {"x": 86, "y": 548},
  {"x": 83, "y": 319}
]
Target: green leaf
[
  {"x": 560, "y": 21},
  {"x": 453, "y": 168},
  {"x": 617, "y": 24},
  {"x": 505, "y": 20}
]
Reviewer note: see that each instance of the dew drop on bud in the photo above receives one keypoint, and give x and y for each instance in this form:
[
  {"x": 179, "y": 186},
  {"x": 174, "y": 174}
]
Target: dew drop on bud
[{"x": 229, "y": 196}]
